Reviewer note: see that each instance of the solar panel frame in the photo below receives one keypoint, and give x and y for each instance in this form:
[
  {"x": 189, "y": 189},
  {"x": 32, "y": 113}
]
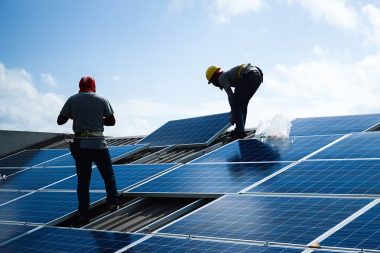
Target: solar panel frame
[
  {"x": 268, "y": 149},
  {"x": 209, "y": 178},
  {"x": 16, "y": 160},
  {"x": 11, "y": 231},
  {"x": 42, "y": 207},
  {"x": 54, "y": 239},
  {"x": 36, "y": 178},
  {"x": 174, "y": 132},
  {"x": 355, "y": 146},
  {"x": 291, "y": 220},
  {"x": 163, "y": 244},
  {"x": 126, "y": 176},
  {"x": 361, "y": 233},
  {"x": 347, "y": 177},
  {"x": 116, "y": 152},
  {"x": 334, "y": 124}
]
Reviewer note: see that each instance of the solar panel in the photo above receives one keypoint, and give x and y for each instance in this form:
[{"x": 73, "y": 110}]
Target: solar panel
[
  {"x": 10, "y": 231},
  {"x": 6, "y": 172},
  {"x": 297, "y": 220},
  {"x": 36, "y": 178},
  {"x": 162, "y": 244},
  {"x": 126, "y": 176},
  {"x": 116, "y": 153},
  {"x": 6, "y": 196},
  {"x": 358, "y": 145},
  {"x": 361, "y": 233},
  {"x": 50, "y": 239},
  {"x": 42, "y": 207},
  {"x": 210, "y": 178},
  {"x": 200, "y": 130},
  {"x": 30, "y": 158},
  {"x": 270, "y": 149},
  {"x": 334, "y": 125},
  {"x": 327, "y": 177}
]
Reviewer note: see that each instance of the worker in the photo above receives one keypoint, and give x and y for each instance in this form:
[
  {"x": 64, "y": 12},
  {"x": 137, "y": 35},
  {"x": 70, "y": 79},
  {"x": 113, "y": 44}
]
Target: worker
[
  {"x": 245, "y": 79},
  {"x": 90, "y": 113}
]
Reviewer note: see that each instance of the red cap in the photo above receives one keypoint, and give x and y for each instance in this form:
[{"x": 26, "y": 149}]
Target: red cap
[{"x": 87, "y": 84}]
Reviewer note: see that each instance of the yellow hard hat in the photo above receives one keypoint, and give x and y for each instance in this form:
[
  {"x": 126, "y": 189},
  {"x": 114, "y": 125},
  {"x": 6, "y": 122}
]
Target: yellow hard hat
[{"x": 210, "y": 72}]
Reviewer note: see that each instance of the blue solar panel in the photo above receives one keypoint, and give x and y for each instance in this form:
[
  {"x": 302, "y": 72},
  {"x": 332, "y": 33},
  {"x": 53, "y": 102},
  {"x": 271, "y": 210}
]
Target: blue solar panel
[
  {"x": 358, "y": 145},
  {"x": 333, "y": 125},
  {"x": 200, "y": 130},
  {"x": 42, "y": 207},
  {"x": 296, "y": 220},
  {"x": 49, "y": 239},
  {"x": 10, "y": 231},
  {"x": 162, "y": 244},
  {"x": 36, "y": 178},
  {"x": 5, "y": 172},
  {"x": 126, "y": 176},
  {"x": 6, "y": 196},
  {"x": 277, "y": 149},
  {"x": 327, "y": 177},
  {"x": 29, "y": 158},
  {"x": 116, "y": 153},
  {"x": 210, "y": 178},
  {"x": 361, "y": 233}
]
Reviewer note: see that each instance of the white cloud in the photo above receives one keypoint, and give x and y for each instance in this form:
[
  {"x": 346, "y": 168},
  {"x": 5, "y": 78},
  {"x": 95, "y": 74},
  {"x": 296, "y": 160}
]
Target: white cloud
[
  {"x": 48, "y": 79},
  {"x": 335, "y": 12},
  {"x": 320, "y": 87},
  {"x": 371, "y": 24},
  {"x": 23, "y": 107},
  {"x": 224, "y": 10},
  {"x": 178, "y": 6}
]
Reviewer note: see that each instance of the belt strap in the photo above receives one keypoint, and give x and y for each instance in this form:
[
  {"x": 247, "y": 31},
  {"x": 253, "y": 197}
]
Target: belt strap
[
  {"x": 89, "y": 134},
  {"x": 239, "y": 73}
]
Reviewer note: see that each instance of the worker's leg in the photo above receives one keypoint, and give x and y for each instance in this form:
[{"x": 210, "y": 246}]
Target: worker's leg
[
  {"x": 104, "y": 164},
  {"x": 244, "y": 92},
  {"x": 83, "y": 168}
]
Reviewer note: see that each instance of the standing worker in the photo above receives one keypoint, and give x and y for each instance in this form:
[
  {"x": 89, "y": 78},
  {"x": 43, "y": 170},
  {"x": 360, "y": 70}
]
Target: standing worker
[
  {"x": 90, "y": 113},
  {"x": 246, "y": 79}
]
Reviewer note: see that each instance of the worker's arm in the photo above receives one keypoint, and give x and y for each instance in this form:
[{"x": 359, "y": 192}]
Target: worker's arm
[
  {"x": 62, "y": 119},
  {"x": 232, "y": 102},
  {"x": 109, "y": 121}
]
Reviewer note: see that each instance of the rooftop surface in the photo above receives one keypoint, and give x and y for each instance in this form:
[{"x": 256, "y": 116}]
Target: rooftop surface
[{"x": 317, "y": 190}]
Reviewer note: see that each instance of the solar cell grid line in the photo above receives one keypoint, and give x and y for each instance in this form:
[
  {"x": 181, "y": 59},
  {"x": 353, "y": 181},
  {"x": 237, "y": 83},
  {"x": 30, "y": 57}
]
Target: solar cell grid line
[
  {"x": 357, "y": 145},
  {"x": 126, "y": 176},
  {"x": 291, "y": 220},
  {"x": 361, "y": 233},
  {"x": 326, "y": 177},
  {"x": 6, "y": 196},
  {"x": 267, "y": 149},
  {"x": 162, "y": 244},
  {"x": 42, "y": 207},
  {"x": 54, "y": 239},
  {"x": 36, "y": 178},
  {"x": 192, "y": 131},
  {"x": 334, "y": 124},
  {"x": 210, "y": 178},
  {"x": 31, "y": 158},
  {"x": 10, "y": 231}
]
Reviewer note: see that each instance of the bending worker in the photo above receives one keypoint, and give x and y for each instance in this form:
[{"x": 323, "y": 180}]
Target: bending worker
[
  {"x": 90, "y": 113},
  {"x": 245, "y": 79}
]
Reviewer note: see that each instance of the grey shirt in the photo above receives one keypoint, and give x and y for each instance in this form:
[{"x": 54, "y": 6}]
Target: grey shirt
[
  {"x": 230, "y": 77},
  {"x": 87, "y": 110}
]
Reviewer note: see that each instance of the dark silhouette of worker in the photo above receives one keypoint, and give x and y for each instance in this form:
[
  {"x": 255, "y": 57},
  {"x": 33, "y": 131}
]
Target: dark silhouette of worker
[
  {"x": 245, "y": 79},
  {"x": 90, "y": 113}
]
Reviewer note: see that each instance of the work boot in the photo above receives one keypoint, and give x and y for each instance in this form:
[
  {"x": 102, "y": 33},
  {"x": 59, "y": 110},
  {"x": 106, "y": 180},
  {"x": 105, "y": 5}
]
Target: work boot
[
  {"x": 83, "y": 221},
  {"x": 235, "y": 135}
]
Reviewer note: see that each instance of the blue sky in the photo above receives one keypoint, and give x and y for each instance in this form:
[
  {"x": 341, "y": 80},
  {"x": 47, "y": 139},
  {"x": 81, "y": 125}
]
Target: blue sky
[{"x": 319, "y": 57}]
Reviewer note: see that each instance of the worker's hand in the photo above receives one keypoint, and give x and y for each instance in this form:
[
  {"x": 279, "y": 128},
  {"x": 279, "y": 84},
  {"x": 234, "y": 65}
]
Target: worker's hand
[{"x": 232, "y": 119}]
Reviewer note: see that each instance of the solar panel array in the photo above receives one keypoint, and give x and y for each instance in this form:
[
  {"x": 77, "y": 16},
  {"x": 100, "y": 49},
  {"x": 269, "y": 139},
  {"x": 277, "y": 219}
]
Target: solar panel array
[
  {"x": 274, "y": 194},
  {"x": 193, "y": 131}
]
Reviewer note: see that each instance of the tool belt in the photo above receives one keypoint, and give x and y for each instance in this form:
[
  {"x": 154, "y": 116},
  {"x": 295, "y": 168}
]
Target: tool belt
[{"x": 85, "y": 134}]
